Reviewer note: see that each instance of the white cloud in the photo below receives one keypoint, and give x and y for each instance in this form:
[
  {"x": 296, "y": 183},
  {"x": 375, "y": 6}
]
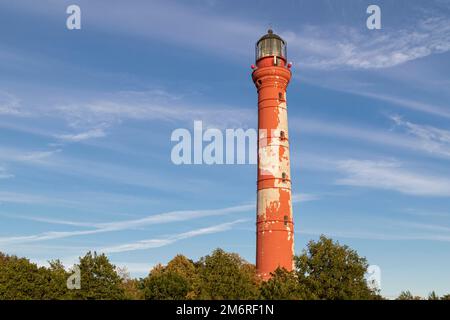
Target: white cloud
[
  {"x": 19, "y": 155},
  {"x": 390, "y": 175},
  {"x": 383, "y": 236},
  {"x": 347, "y": 130},
  {"x": 94, "y": 133},
  {"x": 432, "y": 139},
  {"x": 304, "y": 197},
  {"x": 37, "y": 156},
  {"x": 207, "y": 30},
  {"x": 4, "y": 174},
  {"x": 167, "y": 217},
  {"x": 342, "y": 47},
  {"x": 107, "y": 112},
  {"x": 161, "y": 242},
  {"x": 409, "y": 104},
  {"x": 424, "y": 226},
  {"x": 426, "y": 213},
  {"x": 314, "y": 46},
  {"x": 417, "y": 138},
  {"x": 14, "y": 197},
  {"x": 362, "y": 84},
  {"x": 10, "y": 105}
]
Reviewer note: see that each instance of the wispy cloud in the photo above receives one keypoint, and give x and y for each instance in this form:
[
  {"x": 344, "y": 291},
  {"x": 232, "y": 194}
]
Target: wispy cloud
[
  {"x": 210, "y": 31},
  {"x": 37, "y": 156},
  {"x": 349, "y": 47},
  {"x": 162, "y": 218},
  {"x": 168, "y": 217},
  {"x": 4, "y": 174},
  {"x": 23, "y": 198},
  {"x": 10, "y": 105},
  {"x": 426, "y": 213},
  {"x": 385, "y": 229},
  {"x": 161, "y": 242},
  {"x": 78, "y": 200},
  {"x": 320, "y": 47},
  {"x": 304, "y": 197},
  {"x": 361, "y": 84},
  {"x": 175, "y": 216},
  {"x": 429, "y": 108},
  {"x": 349, "y": 131},
  {"x": 432, "y": 139},
  {"x": 382, "y": 236},
  {"x": 146, "y": 106},
  {"x": 416, "y": 138},
  {"x": 90, "y": 134},
  {"x": 23, "y": 156},
  {"x": 425, "y": 226},
  {"x": 390, "y": 175}
]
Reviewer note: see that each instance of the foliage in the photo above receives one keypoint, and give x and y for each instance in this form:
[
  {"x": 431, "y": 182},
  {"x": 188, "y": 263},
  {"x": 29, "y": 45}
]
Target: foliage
[
  {"x": 407, "y": 295},
  {"x": 99, "y": 279},
  {"x": 433, "y": 296},
  {"x": 226, "y": 276},
  {"x": 177, "y": 280},
  {"x": 131, "y": 287},
  {"x": 165, "y": 285},
  {"x": 284, "y": 285},
  {"x": 20, "y": 279},
  {"x": 324, "y": 270},
  {"x": 331, "y": 271}
]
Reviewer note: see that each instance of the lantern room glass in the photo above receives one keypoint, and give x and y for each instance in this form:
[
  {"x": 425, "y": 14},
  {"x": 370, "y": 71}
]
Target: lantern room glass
[{"x": 270, "y": 47}]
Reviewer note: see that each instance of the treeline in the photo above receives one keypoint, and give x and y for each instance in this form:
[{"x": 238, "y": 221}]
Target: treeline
[{"x": 325, "y": 270}]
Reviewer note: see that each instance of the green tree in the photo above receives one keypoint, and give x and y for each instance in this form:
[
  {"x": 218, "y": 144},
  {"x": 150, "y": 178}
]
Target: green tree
[
  {"x": 329, "y": 270},
  {"x": 56, "y": 279},
  {"x": 21, "y": 279},
  {"x": 161, "y": 285},
  {"x": 178, "y": 280},
  {"x": 433, "y": 296},
  {"x": 407, "y": 295},
  {"x": 99, "y": 279},
  {"x": 226, "y": 276},
  {"x": 284, "y": 285}
]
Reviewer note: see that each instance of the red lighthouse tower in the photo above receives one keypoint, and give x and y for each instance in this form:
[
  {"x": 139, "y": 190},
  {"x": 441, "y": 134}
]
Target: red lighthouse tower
[{"x": 274, "y": 225}]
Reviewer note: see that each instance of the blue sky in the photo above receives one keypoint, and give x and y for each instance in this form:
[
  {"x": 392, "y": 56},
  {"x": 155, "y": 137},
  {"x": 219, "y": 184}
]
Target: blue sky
[{"x": 86, "y": 118}]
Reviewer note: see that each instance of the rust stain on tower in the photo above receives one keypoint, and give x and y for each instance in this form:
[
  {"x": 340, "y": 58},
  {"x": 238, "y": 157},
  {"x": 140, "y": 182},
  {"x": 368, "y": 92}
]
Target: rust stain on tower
[{"x": 274, "y": 223}]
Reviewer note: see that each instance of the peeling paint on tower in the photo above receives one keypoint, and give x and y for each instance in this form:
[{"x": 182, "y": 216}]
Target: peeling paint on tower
[{"x": 274, "y": 225}]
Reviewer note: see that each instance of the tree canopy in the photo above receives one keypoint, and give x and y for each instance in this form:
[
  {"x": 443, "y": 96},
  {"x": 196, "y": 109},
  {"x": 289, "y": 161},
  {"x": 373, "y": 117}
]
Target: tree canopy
[
  {"x": 324, "y": 270},
  {"x": 332, "y": 271}
]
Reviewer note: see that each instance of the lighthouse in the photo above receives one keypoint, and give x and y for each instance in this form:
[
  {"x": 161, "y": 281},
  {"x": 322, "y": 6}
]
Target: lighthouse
[{"x": 274, "y": 223}]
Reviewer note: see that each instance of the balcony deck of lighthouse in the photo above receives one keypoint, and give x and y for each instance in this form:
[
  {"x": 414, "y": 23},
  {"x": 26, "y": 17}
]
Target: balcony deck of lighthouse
[{"x": 274, "y": 223}]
